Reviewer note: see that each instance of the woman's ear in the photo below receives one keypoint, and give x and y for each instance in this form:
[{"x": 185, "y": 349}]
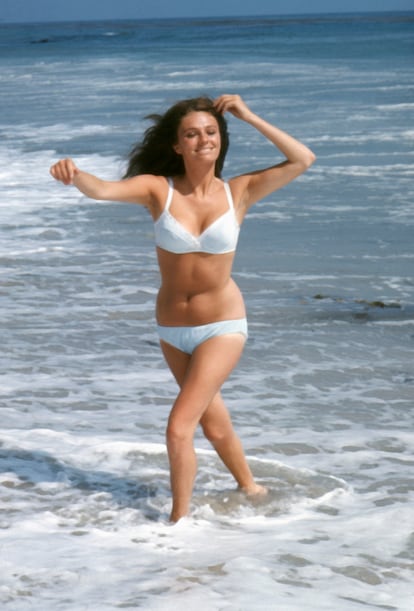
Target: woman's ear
[{"x": 177, "y": 149}]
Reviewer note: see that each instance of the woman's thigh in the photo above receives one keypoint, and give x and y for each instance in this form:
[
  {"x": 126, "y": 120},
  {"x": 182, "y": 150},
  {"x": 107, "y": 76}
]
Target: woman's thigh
[{"x": 201, "y": 375}]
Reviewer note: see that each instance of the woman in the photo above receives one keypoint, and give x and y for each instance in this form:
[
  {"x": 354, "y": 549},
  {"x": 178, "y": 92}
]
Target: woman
[{"x": 200, "y": 312}]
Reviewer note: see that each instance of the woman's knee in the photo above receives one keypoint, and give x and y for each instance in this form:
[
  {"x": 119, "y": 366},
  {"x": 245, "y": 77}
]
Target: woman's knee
[
  {"x": 216, "y": 422},
  {"x": 216, "y": 432},
  {"x": 179, "y": 431}
]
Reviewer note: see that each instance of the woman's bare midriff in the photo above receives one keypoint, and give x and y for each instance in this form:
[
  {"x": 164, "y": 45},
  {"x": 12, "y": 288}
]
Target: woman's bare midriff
[{"x": 196, "y": 289}]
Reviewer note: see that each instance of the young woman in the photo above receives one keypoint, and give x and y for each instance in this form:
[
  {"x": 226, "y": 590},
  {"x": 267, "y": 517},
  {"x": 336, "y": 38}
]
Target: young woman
[{"x": 176, "y": 173}]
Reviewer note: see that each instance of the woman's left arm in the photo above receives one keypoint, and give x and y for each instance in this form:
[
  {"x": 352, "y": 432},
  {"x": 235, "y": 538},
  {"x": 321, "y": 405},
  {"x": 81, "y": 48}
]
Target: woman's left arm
[{"x": 260, "y": 183}]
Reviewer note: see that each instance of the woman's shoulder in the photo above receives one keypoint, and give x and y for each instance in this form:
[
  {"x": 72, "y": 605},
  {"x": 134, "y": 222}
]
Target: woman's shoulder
[
  {"x": 148, "y": 189},
  {"x": 238, "y": 186}
]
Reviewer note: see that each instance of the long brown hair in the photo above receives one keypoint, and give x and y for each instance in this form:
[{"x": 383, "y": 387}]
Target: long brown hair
[{"x": 155, "y": 153}]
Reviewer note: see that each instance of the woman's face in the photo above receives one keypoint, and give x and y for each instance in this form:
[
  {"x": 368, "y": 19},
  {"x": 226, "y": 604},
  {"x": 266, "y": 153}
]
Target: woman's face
[{"x": 198, "y": 137}]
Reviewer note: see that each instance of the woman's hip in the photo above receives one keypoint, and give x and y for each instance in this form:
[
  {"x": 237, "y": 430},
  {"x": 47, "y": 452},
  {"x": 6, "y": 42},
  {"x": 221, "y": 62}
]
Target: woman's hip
[{"x": 188, "y": 337}]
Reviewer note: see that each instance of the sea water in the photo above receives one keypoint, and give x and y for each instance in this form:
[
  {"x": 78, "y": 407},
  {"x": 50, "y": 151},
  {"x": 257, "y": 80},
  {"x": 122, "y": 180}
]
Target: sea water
[{"x": 323, "y": 397}]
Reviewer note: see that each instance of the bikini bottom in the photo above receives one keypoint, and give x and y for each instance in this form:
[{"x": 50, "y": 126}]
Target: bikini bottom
[{"x": 187, "y": 339}]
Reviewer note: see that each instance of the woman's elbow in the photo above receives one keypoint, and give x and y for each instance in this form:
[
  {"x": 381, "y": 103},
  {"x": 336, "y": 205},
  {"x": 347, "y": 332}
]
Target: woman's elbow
[
  {"x": 309, "y": 159},
  {"x": 305, "y": 162}
]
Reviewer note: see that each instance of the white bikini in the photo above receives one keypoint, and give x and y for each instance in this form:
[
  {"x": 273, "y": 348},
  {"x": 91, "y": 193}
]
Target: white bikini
[{"x": 218, "y": 238}]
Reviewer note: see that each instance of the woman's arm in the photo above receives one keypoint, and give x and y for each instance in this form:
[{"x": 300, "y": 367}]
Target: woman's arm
[
  {"x": 143, "y": 189},
  {"x": 257, "y": 184}
]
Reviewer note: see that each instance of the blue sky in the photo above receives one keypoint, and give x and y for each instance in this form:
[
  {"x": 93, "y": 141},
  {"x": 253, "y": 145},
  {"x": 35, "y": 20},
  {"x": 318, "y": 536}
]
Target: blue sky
[{"x": 63, "y": 10}]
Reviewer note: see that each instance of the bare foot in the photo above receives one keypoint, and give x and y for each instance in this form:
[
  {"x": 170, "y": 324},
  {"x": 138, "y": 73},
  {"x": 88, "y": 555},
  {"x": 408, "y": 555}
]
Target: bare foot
[
  {"x": 175, "y": 517},
  {"x": 255, "y": 490}
]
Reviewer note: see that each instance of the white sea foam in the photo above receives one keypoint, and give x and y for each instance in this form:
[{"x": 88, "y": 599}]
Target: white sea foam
[
  {"x": 359, "y": 138},
  {"x": 28, "y": 133},
  {"x": 94, "y": 496},
  {"x": 396, "y": 107}
]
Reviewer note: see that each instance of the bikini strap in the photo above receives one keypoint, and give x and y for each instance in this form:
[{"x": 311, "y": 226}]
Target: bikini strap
[
  {"x": 229, "y": 195},
  {"x": 170, "y": 193}
]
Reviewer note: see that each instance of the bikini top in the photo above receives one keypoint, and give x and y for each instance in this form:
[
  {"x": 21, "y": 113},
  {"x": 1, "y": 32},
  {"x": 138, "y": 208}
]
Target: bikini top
[{"x": 218, "y": 238}]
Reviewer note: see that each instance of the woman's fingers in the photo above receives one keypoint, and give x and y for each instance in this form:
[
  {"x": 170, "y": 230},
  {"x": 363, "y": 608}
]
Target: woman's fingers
[
  {"x": 64, "y": 170},
  {"x": 231, "y": 103}
]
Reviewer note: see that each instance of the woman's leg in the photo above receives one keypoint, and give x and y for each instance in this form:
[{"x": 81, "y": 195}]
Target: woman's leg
[
  {"x": 207, "y": 369},
  {"x": 218, "y": 429},
  {"x": 200, "y": 377}
]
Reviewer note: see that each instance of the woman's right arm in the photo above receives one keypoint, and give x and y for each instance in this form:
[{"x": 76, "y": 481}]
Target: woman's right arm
[{"x": 143, "y": 189}]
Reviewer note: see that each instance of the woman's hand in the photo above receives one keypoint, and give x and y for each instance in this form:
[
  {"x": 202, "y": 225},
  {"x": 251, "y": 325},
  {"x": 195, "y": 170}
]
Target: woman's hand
[
  {"x": 233, "y": 104},
  {"x": 64, "y": 170}
]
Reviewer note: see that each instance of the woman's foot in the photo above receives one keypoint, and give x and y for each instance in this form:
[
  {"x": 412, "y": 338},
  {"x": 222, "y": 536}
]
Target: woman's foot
[{"x": 255, "y": 490}]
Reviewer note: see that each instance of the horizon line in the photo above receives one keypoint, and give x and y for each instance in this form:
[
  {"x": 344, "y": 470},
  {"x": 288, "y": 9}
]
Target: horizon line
[{"x": 336, "y": 14}]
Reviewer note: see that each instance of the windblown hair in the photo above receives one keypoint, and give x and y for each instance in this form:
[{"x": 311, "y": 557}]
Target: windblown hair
[{"x": 156, "y": 155}]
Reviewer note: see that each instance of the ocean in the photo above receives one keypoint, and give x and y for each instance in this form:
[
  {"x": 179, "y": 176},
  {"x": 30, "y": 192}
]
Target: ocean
[{"x": 323, "y": 396}]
